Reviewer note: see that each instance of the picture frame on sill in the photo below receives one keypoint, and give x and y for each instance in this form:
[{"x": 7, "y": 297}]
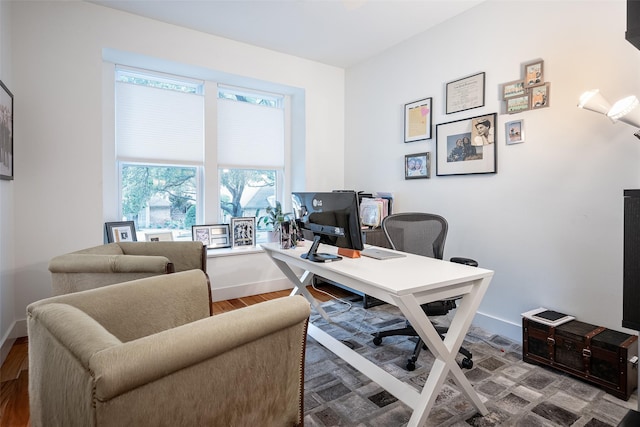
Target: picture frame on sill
[
  {"x": 517, "y": 104},
  {"x": 120, "y": 231},
  {"x": 6, "y": 133},
  {"x": 513, "y": 89},
  {"x": 467, "y": 146},
  {"x": 417, "y": 120},
  {"x": 214, "y": 236},
  {"x": 417, "y": 166},
  {"x": 534, "y": 73},
  {"x": 514, "y": 132},
  {"x": 465, "y": 94},
  {"x": 243, "y": 230},
  {"x": 539, "y": 96},
  {"x": 159, "y": 236}
]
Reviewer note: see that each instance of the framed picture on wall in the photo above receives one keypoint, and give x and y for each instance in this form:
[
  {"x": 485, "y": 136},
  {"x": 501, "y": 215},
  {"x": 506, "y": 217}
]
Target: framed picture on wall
[
  {"x": 214, "y": 235},
  {"x": 120, "y": 231},
  {"x": 467, "y": 146},
  {"x": 6, "y": 133},
  {"x": 539, "y": 96},
  {"x": 417, "y": 120},
  {"x": 534, "y": 73},
  {"x": 512, "y": 89},
  {"x": 517, "y": 104},
  {"x": 465, "y": 93},
  {"x": 514, "y": 132},
  {"x": 243, "y": 230},
  {"x": 417, "y": 166}
]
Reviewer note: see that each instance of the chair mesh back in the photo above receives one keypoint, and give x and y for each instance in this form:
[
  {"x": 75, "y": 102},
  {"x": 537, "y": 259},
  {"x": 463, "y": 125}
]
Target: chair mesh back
[{"x": 417, "y": 233}]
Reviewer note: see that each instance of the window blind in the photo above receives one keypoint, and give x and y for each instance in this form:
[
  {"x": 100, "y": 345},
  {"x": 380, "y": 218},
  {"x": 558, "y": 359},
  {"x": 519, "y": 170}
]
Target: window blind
[
  {"x": 159, "y": 124},
  {"x": 250, "y": 135}
]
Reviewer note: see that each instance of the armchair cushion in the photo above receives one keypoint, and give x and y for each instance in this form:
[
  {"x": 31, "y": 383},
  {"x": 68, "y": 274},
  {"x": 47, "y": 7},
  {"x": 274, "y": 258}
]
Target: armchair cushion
[{"x": 95, "y": 360}]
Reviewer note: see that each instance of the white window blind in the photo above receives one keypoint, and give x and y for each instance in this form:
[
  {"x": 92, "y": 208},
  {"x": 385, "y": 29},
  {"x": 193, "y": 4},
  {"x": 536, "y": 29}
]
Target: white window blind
[
  {"x": 250, "y": 135},
  {"x": 159, "y": 124}
]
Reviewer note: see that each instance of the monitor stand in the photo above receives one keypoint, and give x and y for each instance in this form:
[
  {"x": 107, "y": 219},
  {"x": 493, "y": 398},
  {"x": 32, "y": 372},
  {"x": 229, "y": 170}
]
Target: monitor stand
[{"x": 314, "y": 256}]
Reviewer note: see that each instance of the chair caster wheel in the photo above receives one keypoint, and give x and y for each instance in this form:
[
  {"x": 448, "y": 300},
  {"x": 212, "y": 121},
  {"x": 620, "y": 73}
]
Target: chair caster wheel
[
  {"x": 377, "y": 340},
  {"x": 467, "y": 363},
  {"x": 411, "y": 365}
]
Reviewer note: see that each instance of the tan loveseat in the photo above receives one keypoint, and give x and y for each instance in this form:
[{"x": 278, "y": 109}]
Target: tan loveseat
[
  {"x": 147, "y": 353},
  {"x": 120, "y": 262}
]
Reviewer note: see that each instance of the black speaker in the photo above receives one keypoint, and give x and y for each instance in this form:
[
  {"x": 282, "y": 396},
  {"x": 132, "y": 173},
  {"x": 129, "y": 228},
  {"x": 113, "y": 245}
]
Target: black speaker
[
  {"x": 633, "y": 22},
  {"x": 631, "y": 274}
]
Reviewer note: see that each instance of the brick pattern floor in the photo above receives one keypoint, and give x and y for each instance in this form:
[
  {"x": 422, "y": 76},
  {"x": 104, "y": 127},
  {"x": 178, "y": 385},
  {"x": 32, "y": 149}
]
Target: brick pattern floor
[{"x": 515, "y": 393}]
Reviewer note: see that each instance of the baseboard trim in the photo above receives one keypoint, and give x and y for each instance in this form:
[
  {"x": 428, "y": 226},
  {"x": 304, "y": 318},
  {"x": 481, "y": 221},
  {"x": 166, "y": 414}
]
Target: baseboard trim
[
  {"x": 17, "y": 330},
  {"x": 502, "y": 327},
  {"x": 248, "y": 289}
]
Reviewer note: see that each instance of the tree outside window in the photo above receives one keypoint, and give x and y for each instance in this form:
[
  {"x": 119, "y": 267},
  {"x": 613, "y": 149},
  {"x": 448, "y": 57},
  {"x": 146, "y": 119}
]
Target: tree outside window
[
  {"x": 246, "y": 192},
  {"x": 160, "y": 197}
]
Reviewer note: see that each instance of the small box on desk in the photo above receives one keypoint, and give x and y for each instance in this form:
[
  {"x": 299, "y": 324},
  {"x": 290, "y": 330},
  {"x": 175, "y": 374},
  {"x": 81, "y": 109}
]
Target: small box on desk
[{"x": 601, "y": 356}]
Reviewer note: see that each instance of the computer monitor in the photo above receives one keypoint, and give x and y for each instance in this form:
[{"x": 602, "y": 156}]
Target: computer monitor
[{"x": 332, "y": 217}]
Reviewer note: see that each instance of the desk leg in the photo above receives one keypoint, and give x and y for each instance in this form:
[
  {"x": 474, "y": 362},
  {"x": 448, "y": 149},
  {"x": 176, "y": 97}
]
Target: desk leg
[
  {"x": 300, "y": 286},
  {"x": 444, "y": 351}
]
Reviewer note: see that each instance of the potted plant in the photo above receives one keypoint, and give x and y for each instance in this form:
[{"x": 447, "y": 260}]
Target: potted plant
[{"x": 275, "y": 218}]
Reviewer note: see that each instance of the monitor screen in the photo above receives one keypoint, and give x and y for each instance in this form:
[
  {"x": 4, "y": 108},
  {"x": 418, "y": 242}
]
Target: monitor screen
[{"x": 333, "y": 218}]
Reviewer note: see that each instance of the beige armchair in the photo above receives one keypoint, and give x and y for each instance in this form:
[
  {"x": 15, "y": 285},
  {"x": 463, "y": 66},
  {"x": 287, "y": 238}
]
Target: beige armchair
[
  {"x": 120, "y": 262},
  {"x": 147, "y": 353}
]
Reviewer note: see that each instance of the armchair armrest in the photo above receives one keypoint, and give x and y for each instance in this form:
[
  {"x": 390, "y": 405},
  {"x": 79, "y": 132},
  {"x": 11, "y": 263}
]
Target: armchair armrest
[
  {"x": 91, "y": 263},
  {"x": 169, "y": 352}
]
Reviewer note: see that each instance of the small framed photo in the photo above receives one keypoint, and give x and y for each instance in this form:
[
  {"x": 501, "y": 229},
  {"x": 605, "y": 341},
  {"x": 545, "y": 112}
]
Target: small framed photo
[
  {"x": 514, "y": 132},
  {"x": 417, "y": 166},
  {"x": 244, "y": 231},
  {"x": 534, "y": 73},
  {"x": 159, "y": 236},
  {"x": 465, "y": 93},
  {"x": 517, "y": 104},
  {"x": 417, "y": 120},
  {"x": 467, "y": 146},
  {"x": 6, "y": 130},
  {"x": 539, "y": 96},
  {"x": 513, "y": 89},
  {"x": 121, "y": 231},
  {"x": 213, "y": 235}
]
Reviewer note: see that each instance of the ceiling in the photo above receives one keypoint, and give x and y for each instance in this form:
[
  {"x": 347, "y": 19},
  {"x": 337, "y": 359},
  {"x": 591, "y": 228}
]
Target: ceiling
[{"x": 341, "y": 33}]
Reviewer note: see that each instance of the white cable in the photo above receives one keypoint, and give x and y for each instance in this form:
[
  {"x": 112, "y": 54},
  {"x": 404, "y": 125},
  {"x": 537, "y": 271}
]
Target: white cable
[{"x": 313, "y": 285}]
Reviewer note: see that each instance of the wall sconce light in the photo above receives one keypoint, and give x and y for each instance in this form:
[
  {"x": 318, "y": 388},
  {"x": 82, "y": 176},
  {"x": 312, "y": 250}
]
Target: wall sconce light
[{"x": 626, "y": 110}]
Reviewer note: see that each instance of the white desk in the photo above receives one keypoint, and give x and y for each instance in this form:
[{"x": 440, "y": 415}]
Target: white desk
[{"x": 405, "y": 282}]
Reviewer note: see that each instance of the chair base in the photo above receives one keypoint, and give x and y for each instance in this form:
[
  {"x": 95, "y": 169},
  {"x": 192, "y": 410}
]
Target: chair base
[{"x": 466, "y": 363}]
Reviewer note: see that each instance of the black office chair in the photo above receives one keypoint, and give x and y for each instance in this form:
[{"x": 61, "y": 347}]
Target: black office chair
[{"x": 422, "y": 234}]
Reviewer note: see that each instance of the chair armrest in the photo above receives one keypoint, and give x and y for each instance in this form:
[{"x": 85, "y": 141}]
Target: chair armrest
[
  {"x": 165, "y": 353},
  {"x": 185, "y": 255},
  {"x": 89, "y": 263},
  {"x": 74, "y": 330}
]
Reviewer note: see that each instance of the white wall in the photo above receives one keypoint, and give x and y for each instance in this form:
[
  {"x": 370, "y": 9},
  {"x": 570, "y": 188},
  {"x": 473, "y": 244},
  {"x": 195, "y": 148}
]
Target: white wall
[
  {"x": 550, "y": 221},
  {"x": 57, "y": 55},
  {"x": 7, "y": 299}
]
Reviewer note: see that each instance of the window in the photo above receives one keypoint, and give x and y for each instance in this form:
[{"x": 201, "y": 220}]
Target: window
[
  {"x": 160, "y": 146},
  {"x": 159, "y": 150},
  {"x": 159, "y": 197},
  {"x": 251, "y": 135}
]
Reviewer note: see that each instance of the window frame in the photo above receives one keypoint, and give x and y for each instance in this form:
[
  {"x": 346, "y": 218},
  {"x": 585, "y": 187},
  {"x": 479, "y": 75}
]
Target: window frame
[{"x": 208, "y": 202}]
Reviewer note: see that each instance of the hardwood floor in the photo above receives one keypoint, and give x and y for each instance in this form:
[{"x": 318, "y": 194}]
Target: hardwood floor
[{"x": 14, "y": 374}]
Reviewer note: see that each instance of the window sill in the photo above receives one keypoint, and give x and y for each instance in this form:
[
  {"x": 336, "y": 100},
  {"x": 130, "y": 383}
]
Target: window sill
[{"x": 214, "y": 253}]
